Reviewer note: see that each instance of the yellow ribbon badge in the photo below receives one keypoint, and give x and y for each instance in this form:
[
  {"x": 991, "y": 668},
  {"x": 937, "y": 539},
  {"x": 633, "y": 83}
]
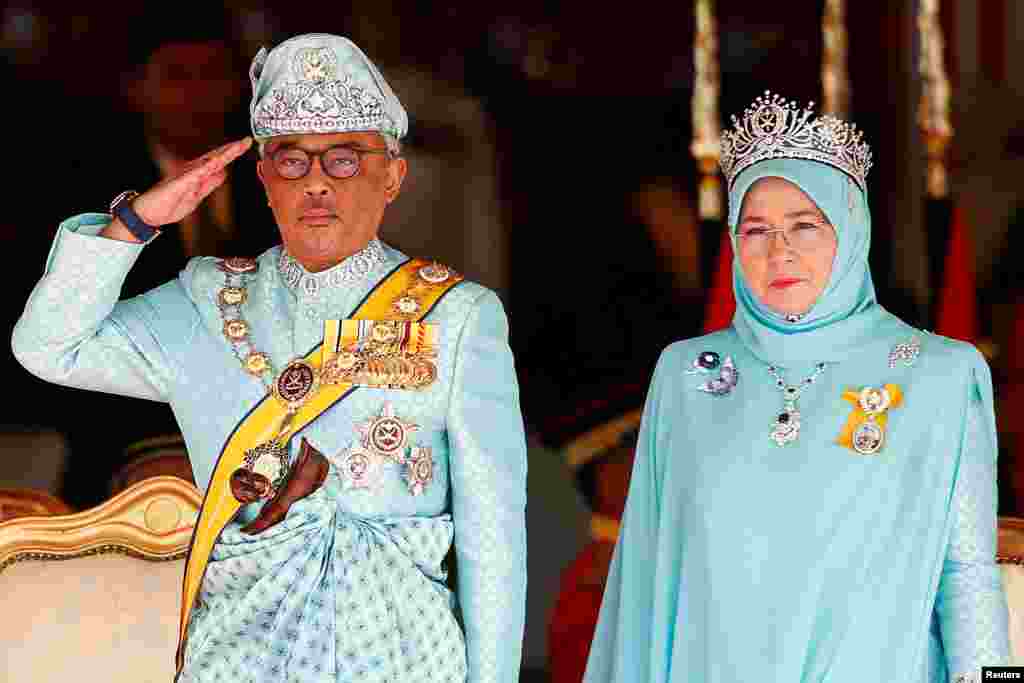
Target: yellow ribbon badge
[{"x": 864, "y": 430}]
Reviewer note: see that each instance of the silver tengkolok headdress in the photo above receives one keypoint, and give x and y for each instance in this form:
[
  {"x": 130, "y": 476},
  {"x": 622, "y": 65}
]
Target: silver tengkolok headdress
[
  {"x": 321, "y": 83},
  {"x": 772, "y": 128}
]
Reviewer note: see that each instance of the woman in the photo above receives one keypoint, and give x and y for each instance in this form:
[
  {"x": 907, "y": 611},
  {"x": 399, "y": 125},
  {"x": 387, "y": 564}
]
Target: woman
[{"x": 814, "y": 492}]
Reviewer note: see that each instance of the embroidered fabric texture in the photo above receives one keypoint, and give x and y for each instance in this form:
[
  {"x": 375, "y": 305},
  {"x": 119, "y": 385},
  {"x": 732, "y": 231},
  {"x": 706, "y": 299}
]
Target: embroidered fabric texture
[
  {"x": 272, "y": 602},
  {"x": 971, "y": 605},
  {"x": 355, "y": 267}
]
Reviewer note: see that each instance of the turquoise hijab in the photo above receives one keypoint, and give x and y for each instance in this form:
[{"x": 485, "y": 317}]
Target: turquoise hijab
[{"x": 846, "y": 317}]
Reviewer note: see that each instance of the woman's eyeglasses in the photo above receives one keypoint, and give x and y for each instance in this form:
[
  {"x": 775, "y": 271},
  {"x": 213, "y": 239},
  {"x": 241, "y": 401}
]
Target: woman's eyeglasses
[{"x": 757, "y": 240}]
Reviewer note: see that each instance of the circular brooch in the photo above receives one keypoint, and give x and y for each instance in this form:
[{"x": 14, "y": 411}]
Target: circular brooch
[
  {"x": 236, "y": 330},
  {"x": 419, "y": 470},
  {"x": 296, "y": 384},
  {"x": 708, "y": 360},
  {"x": 874, "y": 401},
  {"x": 256, "y": 363},
  {"x": 868, "y": 438},
  {"x": 238, "y": 264},
  {"x": 407, "y": 305},
  {"x": 271, "y": 460},
  {"x": 384, "y": 331},
  {"x": 232, "y": 296},
  {"x": 435, "y": 273},
  {"x": 340, "y": 368},
  {"x": 387, "y": 434},
  {"x": 359, "y": 469},
  {"x": 424, "y": 373}
]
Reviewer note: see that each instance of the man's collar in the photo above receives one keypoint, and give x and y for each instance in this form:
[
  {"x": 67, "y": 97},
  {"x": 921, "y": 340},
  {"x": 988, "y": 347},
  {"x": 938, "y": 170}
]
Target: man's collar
[{"x": 352, "y": 269}]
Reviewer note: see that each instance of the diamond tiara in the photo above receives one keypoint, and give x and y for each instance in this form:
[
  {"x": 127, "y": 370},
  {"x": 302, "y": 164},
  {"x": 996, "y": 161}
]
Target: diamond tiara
[{"x": 772, "y": 128}]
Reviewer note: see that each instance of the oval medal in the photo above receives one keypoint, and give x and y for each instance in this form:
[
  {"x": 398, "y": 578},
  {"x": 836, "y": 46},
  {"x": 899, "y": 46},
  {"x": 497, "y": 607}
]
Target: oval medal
[
  {"x": 237, "y": 264},
  {"x": 256, "y": 363},
  {"x": 236, "y": 329},
  {"x": 232, "y": 296},
  {"x": 435, "y": 273},
  {"x": 296, "y": 384},
  {"x": 271, "y": 460},
  {"x": 868, "y": 438}
]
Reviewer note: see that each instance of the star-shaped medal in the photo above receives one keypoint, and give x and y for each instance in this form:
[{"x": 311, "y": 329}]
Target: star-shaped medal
[{"x": 387, "y": 435}]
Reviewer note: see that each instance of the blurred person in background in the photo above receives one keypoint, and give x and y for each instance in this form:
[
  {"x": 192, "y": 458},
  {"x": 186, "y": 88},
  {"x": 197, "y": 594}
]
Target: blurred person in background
[
  {"x": 1002, "y": 309},
  {"x": 185, "y": 96},
  {"x": 182, "y": 93},
  {"x": 318, "y": 558}
]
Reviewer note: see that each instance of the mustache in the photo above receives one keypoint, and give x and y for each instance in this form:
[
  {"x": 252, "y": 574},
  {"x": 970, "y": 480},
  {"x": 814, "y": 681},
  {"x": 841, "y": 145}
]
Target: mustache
[{"x": 318, "y": 203}]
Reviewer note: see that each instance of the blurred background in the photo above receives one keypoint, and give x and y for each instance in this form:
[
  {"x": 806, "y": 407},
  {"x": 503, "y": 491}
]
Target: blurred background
[{"x": 550, "y": 158}]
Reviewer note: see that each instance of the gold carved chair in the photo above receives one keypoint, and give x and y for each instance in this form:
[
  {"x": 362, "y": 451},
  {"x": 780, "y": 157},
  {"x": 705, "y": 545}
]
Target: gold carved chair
[
  {"x": 29, "y": 502},
  {"x": 95, "y": 595},
  {"x": 152, "y": 457},
  {"x": 1011, "y": 564}
]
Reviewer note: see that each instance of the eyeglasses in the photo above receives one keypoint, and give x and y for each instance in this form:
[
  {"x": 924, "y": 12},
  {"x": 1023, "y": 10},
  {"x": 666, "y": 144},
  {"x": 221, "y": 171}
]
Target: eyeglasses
[
  {"x": 338, "y": 162},
  {"x": 757, "y": 240}
]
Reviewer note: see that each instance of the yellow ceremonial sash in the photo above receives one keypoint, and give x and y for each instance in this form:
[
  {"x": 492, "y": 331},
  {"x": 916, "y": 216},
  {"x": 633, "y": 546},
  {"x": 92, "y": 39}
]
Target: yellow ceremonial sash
[{"x": 387, "y": 301}]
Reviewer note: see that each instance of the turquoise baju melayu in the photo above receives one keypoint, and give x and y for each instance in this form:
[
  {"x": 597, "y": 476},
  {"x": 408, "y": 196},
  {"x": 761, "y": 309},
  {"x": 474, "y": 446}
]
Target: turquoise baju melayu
[
  {"x": 351, "y": 586},
  {"x": 741, "y": 560}
]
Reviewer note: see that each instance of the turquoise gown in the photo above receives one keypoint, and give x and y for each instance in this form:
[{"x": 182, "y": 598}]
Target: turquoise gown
[{"x": 741, "y": 560}]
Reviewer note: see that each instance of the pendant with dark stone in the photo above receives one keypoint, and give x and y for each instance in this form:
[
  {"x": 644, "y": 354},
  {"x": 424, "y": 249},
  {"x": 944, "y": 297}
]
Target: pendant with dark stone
[{"x": 787, "y": 426}]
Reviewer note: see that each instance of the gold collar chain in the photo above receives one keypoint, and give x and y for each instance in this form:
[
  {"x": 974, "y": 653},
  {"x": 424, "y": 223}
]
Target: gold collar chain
[{"x": 230, "y": 299}]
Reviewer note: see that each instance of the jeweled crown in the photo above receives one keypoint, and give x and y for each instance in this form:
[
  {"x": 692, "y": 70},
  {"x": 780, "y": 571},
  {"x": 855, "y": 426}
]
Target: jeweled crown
[{"x": 773, "y": 128}]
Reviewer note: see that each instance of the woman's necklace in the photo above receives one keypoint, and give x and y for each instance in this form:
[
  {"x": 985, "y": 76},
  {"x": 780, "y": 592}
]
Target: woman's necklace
[{"x": 787, "y": 425}]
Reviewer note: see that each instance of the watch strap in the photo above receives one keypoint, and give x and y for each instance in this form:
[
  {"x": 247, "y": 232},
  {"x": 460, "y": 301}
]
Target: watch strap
[{"x": 122, "y": 208}]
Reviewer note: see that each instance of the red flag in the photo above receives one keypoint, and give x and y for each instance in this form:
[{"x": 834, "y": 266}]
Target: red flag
[
  {"x": 1014, "y": 355},
  {"x": 957, "y": 314},
  {"x": 721, "y": 301}
]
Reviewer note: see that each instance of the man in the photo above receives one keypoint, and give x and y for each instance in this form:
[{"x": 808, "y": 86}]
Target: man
[{"x": 318, "y": 557}]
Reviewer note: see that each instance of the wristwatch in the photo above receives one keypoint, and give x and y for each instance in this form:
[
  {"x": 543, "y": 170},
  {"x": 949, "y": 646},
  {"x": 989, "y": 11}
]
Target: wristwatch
[{"x": 122, "y": 208}]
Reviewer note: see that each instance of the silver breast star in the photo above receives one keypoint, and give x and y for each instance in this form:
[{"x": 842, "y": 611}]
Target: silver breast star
[{"x": 387, "y": 435}]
